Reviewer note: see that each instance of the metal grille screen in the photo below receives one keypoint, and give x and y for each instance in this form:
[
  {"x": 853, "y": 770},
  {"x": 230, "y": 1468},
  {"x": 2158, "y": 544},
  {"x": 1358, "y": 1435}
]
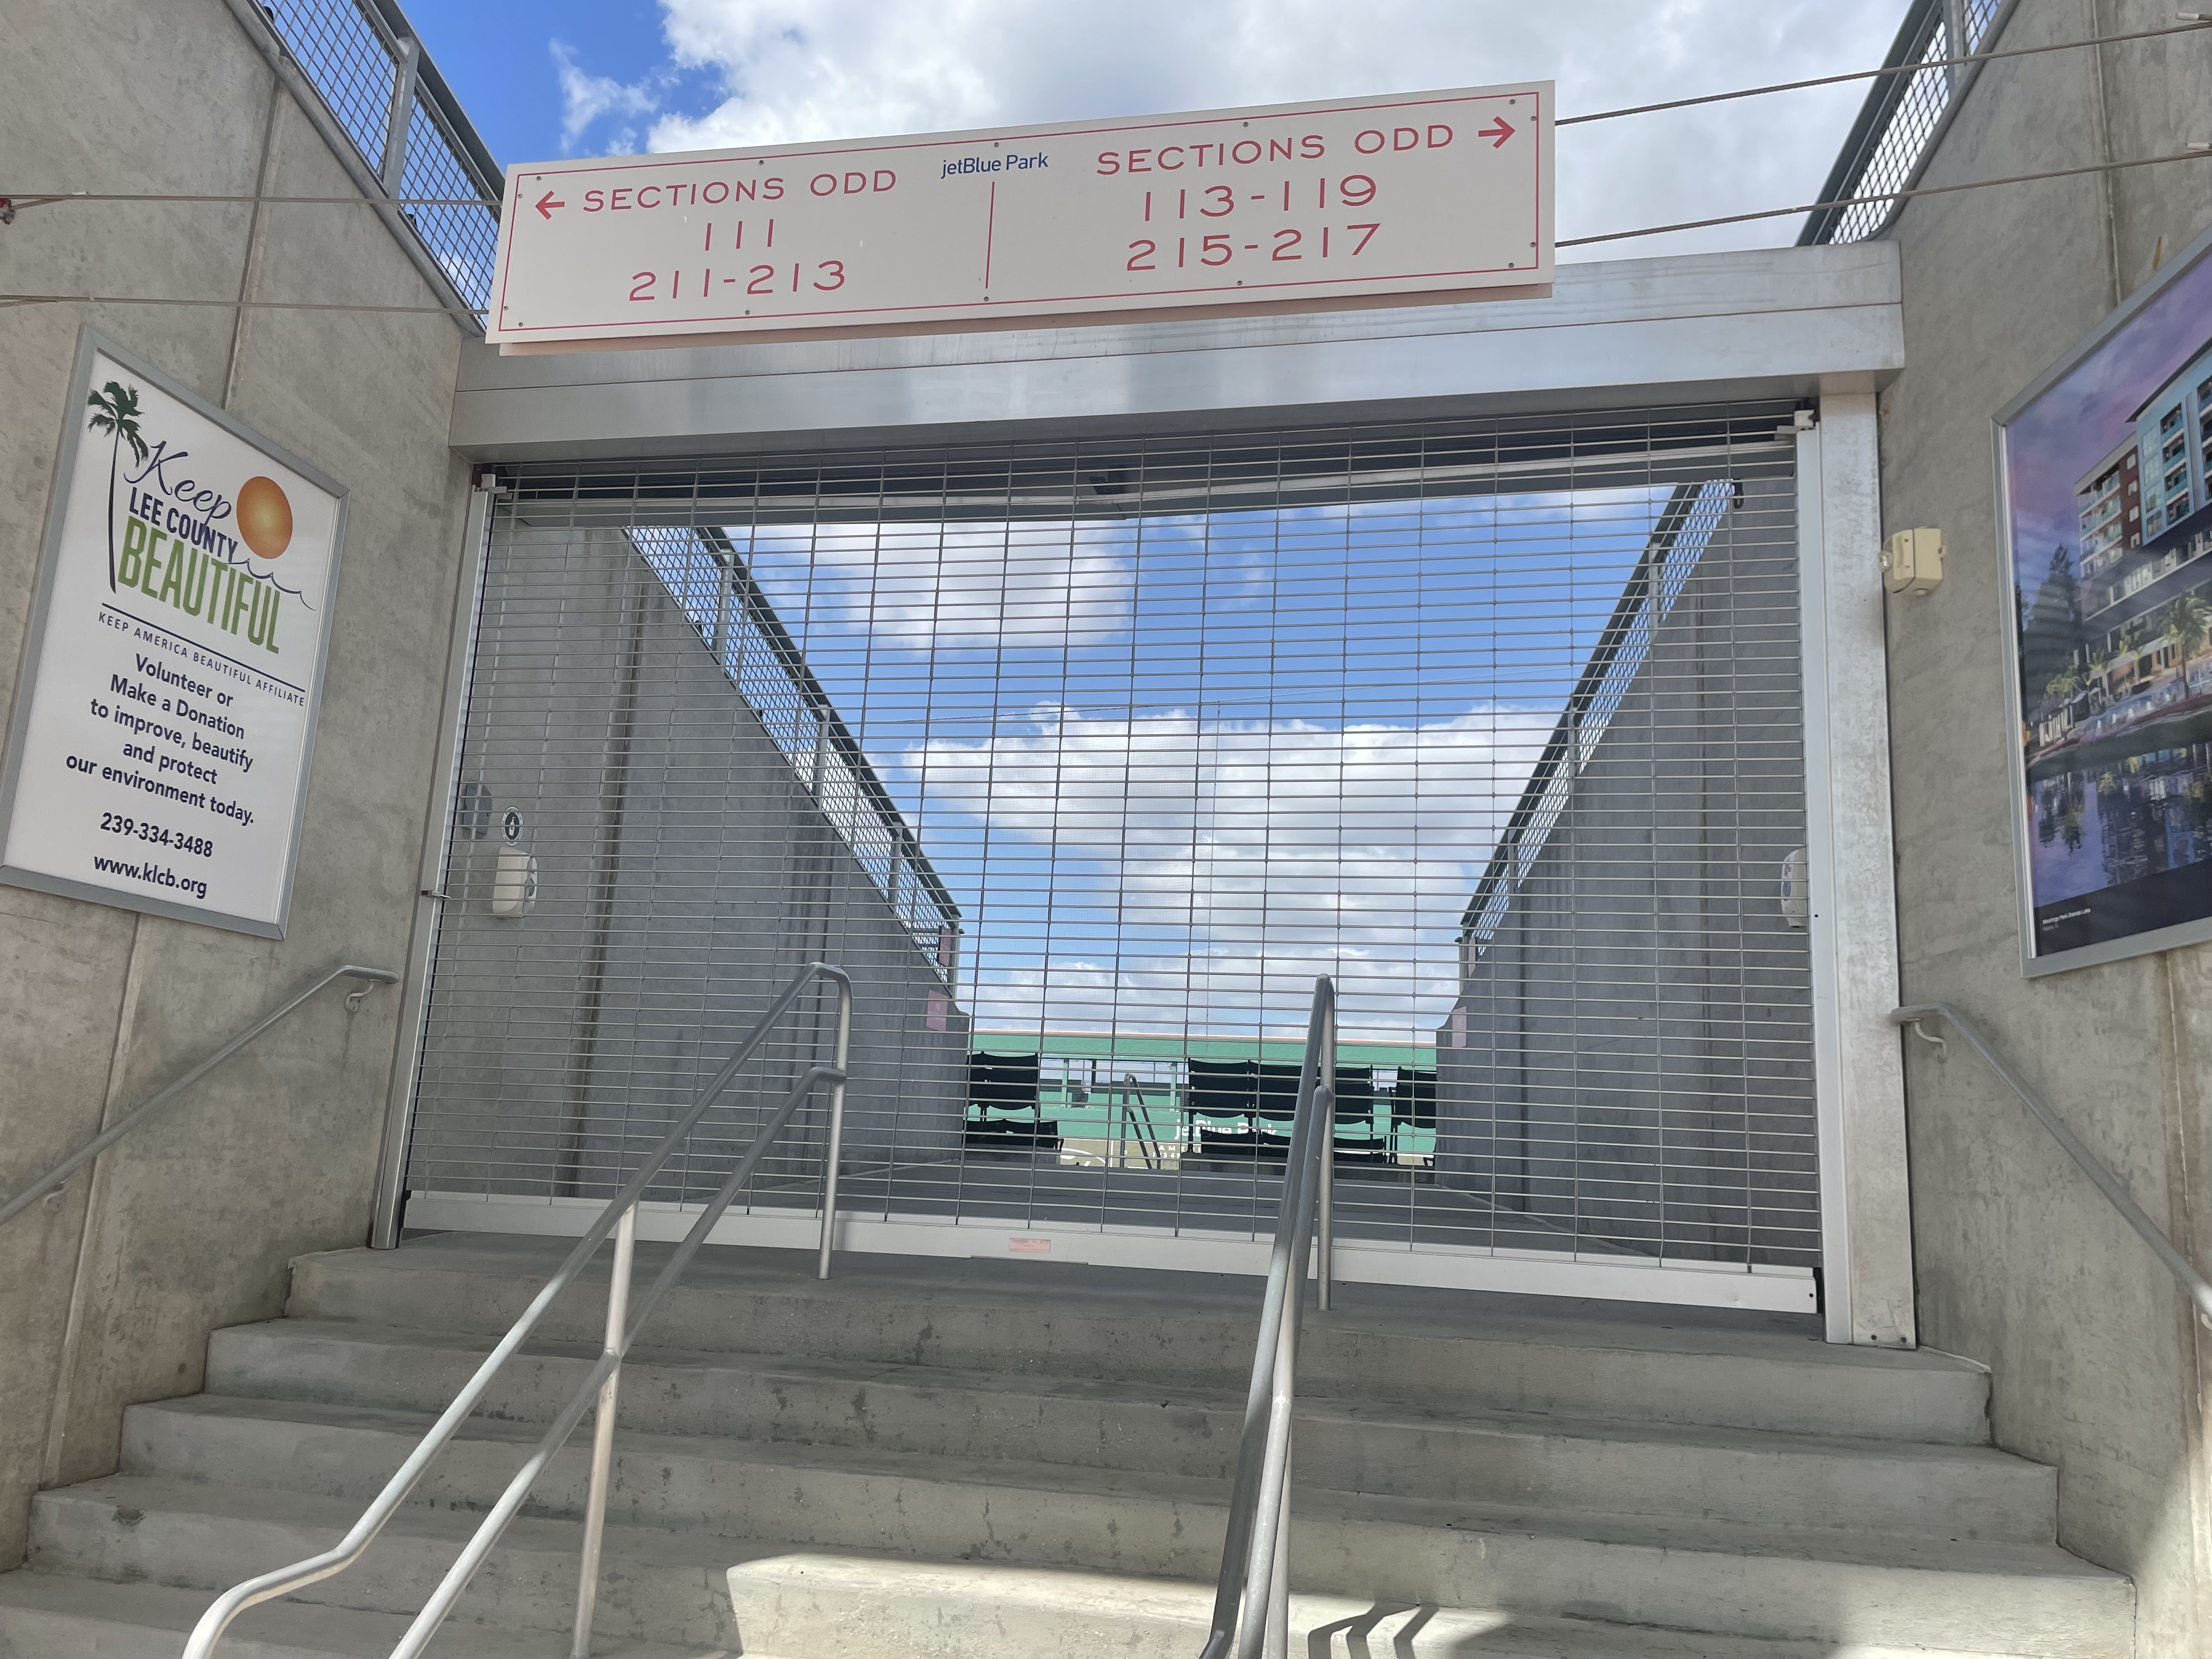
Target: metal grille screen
[{"x": 1084, "y": 759}]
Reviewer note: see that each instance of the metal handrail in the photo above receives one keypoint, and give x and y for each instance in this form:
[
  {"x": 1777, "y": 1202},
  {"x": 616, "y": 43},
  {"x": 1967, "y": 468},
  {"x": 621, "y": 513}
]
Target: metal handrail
[
  {"x": 1137, "y": 1117},
  {"x": 2200, "y": 1291},
  {"x": 1251, "y": 1599},
  {"x": 54, "y": 1179},
  {"x": 619, "y": 1212}
]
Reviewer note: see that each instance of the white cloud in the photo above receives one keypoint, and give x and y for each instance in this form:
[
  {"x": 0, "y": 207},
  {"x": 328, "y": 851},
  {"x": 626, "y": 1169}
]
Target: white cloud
[
  {"x": 1247, "y": 856},
  {"x": 1027, "y": 584},
  {"x": 584, "y": 98},
  {"x": 791, "y": 70},
  {"x": 1171, "y": 868}
]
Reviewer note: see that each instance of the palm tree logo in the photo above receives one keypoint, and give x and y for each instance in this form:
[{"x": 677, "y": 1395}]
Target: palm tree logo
[{"x": 115, "y": 411}]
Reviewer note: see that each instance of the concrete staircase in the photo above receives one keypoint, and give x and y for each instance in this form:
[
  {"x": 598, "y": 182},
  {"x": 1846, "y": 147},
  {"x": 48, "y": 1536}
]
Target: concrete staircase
[{"x": 942, "y": 1459}]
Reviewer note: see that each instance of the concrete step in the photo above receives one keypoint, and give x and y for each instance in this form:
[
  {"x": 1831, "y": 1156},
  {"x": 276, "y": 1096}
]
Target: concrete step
[
  {"x": 1457, "y": 1350},
  {"x": 843, "y": 1606},
  {"x": 664, "y": 1587},
  {"x": 1794, "y": 1583},
  {"x": 45, "y": 1616},
  {"x": 857, "y": 1608},
  {"x": 1411, "y": 1451}
]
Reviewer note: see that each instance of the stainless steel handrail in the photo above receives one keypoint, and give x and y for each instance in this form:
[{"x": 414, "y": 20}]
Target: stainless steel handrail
[
  {"x": 54, "y": 1179},
  {"x": 1137, "y": 1117},
  {"x": 1251, "y": 1599},
  {"x": 619, "y": 1212},
  {"x": 2200, "y": 1291}
]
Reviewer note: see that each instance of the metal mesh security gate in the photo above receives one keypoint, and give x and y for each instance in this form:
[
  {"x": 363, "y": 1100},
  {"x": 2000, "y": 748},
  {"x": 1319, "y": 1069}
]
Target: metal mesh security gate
[{"x": 1084, "y": 758}]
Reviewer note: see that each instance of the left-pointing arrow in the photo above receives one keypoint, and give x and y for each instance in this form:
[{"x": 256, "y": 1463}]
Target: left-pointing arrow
[{"x": 546, "y": 204}]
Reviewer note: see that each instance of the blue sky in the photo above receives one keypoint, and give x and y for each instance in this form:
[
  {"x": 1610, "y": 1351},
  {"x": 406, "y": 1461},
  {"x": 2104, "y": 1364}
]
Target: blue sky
[
  {"x": 1171, "y": 766},
  {"x": 545, "y": 78},
  {"x": 2077, "y": 422},
  {"x": 498, "y": 57}
]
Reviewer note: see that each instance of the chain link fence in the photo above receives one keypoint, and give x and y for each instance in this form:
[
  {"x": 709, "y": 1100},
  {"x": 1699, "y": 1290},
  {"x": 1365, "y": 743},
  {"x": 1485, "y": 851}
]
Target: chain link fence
[
  {"x": 406, "y": 125},
  {"x": 1895, "y": 132}
]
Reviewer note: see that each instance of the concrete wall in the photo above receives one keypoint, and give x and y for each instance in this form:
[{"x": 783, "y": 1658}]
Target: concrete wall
[
  {"x": 108, "y": 1297},
  {"x": 2099, "y": 1367},
  {"x": 685, "y": 873},
  {"x": 1630, "y": 1061}
]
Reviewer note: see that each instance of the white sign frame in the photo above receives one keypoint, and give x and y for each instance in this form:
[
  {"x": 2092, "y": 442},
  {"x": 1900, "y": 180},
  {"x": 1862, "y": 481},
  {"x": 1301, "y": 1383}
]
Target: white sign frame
[
  {"x": 92, "y": 345},
  {"x": 1055, "y": 221}
]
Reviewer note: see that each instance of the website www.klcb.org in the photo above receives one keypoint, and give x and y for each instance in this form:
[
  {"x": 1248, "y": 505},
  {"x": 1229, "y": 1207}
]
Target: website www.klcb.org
[{"x": 152, "y": 874}]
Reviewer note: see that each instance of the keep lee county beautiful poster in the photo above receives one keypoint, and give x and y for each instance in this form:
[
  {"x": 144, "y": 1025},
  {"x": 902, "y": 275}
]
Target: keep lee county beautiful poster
[{"x": 163, "y": 726}]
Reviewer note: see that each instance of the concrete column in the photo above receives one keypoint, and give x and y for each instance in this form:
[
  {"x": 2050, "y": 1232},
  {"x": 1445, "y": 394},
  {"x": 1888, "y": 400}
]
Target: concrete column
[{"x": 1865, "y": 1200}]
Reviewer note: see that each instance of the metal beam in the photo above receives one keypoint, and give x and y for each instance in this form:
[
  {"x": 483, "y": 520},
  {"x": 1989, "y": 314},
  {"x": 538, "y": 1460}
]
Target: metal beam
[
  {"x": 1866, "y": 1211},
  {"x": 1766, "y": 322}
]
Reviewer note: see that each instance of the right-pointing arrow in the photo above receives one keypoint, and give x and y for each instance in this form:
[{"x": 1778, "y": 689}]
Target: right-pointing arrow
[{"x": 1500, "y": 131}]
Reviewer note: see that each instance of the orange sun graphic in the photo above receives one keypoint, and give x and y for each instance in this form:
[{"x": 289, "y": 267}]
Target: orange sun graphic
[{"x": 264, "y": 516}]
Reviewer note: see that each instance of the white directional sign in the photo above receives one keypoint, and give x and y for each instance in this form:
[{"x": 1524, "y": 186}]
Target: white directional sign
[{"x": 1293, "y": 207}]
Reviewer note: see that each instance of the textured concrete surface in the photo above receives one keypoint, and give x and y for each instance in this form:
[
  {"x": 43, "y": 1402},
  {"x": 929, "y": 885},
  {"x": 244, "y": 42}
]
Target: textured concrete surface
[
  {"x": 685, "y": 873},
  {"x": 2096, "y": 1365},
  {"x": 108, "y": 1296},
  {"x": 846, "y": 1605},
  {"x": 1513, "y": 1352},
  {"x": 1413, "y": 1450},
  {"x": 820, "y": 1603},
  {"x": 1646, "y": 927},
  {"x": 53, "y": 1616},
  {"x": 1042, "y": 1468}
]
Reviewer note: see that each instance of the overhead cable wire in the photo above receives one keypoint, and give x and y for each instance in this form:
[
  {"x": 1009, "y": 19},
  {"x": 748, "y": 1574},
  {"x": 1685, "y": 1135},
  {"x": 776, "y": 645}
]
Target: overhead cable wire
[
  {"x": 47, "y": 199},
  {"x": 2192, "y": 28},
  {"x": 229, "y": 304},
  {"x": 21, "y": 200},
  {"x": 2195, "y": 153}
]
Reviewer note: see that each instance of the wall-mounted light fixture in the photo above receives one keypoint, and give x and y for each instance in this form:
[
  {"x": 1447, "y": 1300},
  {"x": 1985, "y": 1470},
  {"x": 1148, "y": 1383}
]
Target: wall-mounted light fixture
[
  {"x": 515, "y": 883},
  {"x": 1912, "y": 562},
  {"x": 1796, "y": 898}
]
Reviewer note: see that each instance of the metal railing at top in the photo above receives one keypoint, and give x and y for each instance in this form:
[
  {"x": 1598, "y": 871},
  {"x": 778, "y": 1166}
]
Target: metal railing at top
[
  {"x": 602, "y": 1383},
  {"x": 1252, "y": 1597},
  {"x": 51, "y": 1183},
  {"x": 386, "y": 95},
  {"x": 2115, "y": 1192},
  {"x": 1899, "y": 124}
]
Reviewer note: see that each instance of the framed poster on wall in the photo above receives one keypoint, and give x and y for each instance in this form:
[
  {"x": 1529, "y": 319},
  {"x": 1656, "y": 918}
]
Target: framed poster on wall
[
  {"x": 165, "y": 710},
  {"x": 2104, "y": 492}
]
